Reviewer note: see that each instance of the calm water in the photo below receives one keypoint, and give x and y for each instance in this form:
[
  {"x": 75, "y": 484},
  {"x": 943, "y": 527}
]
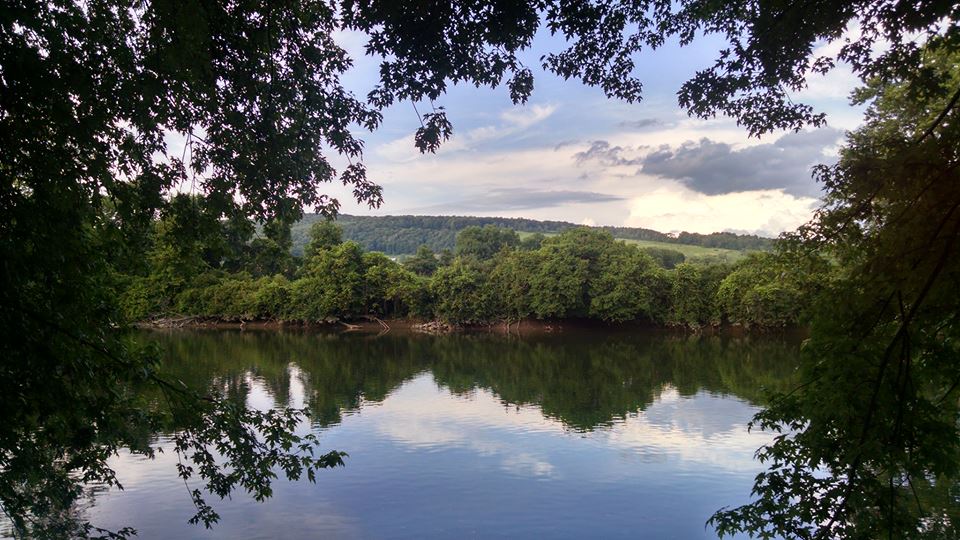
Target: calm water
[{"x": 570, "y": 436}]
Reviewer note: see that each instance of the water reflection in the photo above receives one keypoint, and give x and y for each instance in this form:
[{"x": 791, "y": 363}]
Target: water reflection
[
  {"x": 584, "y": 381},
  {"x": 476, "y": 435}
]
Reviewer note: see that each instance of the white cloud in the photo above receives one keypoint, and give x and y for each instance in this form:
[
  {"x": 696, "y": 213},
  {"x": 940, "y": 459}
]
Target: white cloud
[
  {"x": 765, "y": 212},
  {"x": 484, "y": 174},
  {"x": 837, "y": 84},
  {"x": 523, "y": 117},
  {"x": 681, "y": 428},
  {"x": 438, "y": 182},
  {"x": 526, "y": 464},
  {"x": 423, "y": 416}
]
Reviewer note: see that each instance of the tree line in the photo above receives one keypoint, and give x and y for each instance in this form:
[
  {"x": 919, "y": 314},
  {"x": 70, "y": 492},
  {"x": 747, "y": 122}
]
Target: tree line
[
  {"x": 491, "y": 276},
  {"x": 401, "y": 235}
]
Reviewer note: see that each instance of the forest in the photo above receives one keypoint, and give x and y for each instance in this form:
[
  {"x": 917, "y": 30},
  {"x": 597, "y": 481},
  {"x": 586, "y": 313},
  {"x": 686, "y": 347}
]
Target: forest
[
  {"x": 492, "y": 276},
  {"x": 402, "y": 235}
]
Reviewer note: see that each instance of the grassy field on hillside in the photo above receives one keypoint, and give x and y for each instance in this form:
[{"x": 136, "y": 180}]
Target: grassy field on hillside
[{"x": 692, "y": 253}]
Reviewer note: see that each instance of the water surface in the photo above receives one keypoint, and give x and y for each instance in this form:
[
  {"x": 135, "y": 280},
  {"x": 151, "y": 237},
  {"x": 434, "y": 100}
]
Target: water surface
[{"x": 567, "y": 436}]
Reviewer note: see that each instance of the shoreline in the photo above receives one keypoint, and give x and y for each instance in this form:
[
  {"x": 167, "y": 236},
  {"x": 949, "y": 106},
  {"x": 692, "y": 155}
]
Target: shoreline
[{"x": 433, "y": 327}]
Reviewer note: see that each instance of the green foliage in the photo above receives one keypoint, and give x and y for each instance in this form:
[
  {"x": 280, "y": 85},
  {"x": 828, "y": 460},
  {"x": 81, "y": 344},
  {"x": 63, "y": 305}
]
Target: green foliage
[
  {"x": 463, "y": 294},
  {"x": 688, "y": 297},
  {"x": 769, "y": 290},
  {"x": 139, "y": 299},
  {"x": 324, "y": 235},
  {"x": 424, "y": 263},
  {"x": 236, "y": 297},
  {"x": 560, "y": 286},
  {"x": 339, "y": 281},
  {"x": 402, "y": 235},
  {"x": 483, "y": 243},
  {"x": 532, "y": 242},
  {"x": 581, "y": 273},
  {"x": 332, "y": 284},
  {"x": 271, "y": 297},
  {"x": 446, "y": 257},
  {"x": 869, "y": 443},
  {"x": 253, "y": 444},
  {"x": 510, "y": 282},
  {"x": 666, "y": 258},
  {"x": 389, "y": 289},
  {"x": 270, "y": 252},
  {"x": 620, "y": 291}
]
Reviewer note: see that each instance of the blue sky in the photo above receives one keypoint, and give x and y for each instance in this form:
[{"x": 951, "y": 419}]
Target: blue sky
[{"x": 572, "y": 154}]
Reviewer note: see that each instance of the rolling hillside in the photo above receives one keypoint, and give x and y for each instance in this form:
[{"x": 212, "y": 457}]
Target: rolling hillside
[
  {"x": 399, "y": 235},
  {"x": 690, "y": 252}
]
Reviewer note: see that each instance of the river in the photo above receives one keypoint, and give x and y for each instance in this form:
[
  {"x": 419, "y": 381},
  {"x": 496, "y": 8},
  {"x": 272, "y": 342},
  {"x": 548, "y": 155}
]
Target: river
[{"x": 572, "y": 435}]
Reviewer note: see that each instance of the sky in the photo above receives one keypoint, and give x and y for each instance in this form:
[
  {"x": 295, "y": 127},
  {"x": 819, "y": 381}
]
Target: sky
[{"x": 572, "y": 154}]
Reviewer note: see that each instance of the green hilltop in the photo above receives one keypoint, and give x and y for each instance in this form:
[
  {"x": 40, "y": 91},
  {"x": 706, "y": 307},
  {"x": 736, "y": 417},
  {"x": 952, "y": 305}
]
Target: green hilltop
[{"x": 401, "y": 235}]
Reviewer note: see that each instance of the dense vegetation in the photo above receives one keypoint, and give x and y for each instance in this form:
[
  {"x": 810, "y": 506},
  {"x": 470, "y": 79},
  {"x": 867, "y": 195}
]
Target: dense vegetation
[
  {"x": 492, "y": 276},
  {"x": 871, "y": 439},
  {"x": 402, "y": 235},
  {"x": 90, "y": 92}
]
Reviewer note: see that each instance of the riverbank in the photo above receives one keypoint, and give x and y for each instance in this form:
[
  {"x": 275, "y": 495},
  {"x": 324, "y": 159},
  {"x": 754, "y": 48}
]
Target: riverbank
[{"x": 521, "y": 327}]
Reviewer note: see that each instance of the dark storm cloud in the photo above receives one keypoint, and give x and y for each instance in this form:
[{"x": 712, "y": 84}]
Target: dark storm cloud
[
  {"x": 525, "y": 199},
  {"x": 715, "y": 168}
]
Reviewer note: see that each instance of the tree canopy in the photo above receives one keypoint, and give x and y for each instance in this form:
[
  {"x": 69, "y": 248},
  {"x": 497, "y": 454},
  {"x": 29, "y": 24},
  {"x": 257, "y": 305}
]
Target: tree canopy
[{"x": 870, "y": 441}]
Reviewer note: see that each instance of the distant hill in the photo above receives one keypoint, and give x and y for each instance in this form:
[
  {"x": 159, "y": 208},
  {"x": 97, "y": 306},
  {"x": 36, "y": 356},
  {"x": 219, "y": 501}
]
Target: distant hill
[{"x": 399, "y": 235}]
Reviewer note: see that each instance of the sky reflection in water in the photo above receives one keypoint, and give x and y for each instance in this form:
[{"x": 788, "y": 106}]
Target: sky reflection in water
[{"x": 478, "y": 436}]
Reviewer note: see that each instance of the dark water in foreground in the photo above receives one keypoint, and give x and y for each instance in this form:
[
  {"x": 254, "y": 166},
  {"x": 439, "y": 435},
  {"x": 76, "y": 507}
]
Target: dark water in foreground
[{"x": 569, "y": 436}]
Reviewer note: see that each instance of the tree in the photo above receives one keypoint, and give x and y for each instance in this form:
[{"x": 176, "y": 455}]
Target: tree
[
  {"x": 573, "y": 266},
  {"x": 270, "y": 252},
  {"x": 323, "y": 235},
  {"x": 559, "y": 287},
  {"x": 511, "y": 282},
  {"x": 446, "y": 257},
  {"x": 689, "y": 302},
  {"x": 402, "y": 235},
  {"x": 667, "y": 258},
  {"x": 390, "y": 288},
  {"x": 424, "y": 263},
  {"x": 463, "y": 294},
  {"x": 532, "y": 242},
  {"x": 621, "y": 290},
  {"x": 869, "y": 443},
  {"x": 89, "y": 92},
  {"x": 483, "y": 243},
  {"x": 769, "y": 290},
  {"x": 332, "y": 285}
]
